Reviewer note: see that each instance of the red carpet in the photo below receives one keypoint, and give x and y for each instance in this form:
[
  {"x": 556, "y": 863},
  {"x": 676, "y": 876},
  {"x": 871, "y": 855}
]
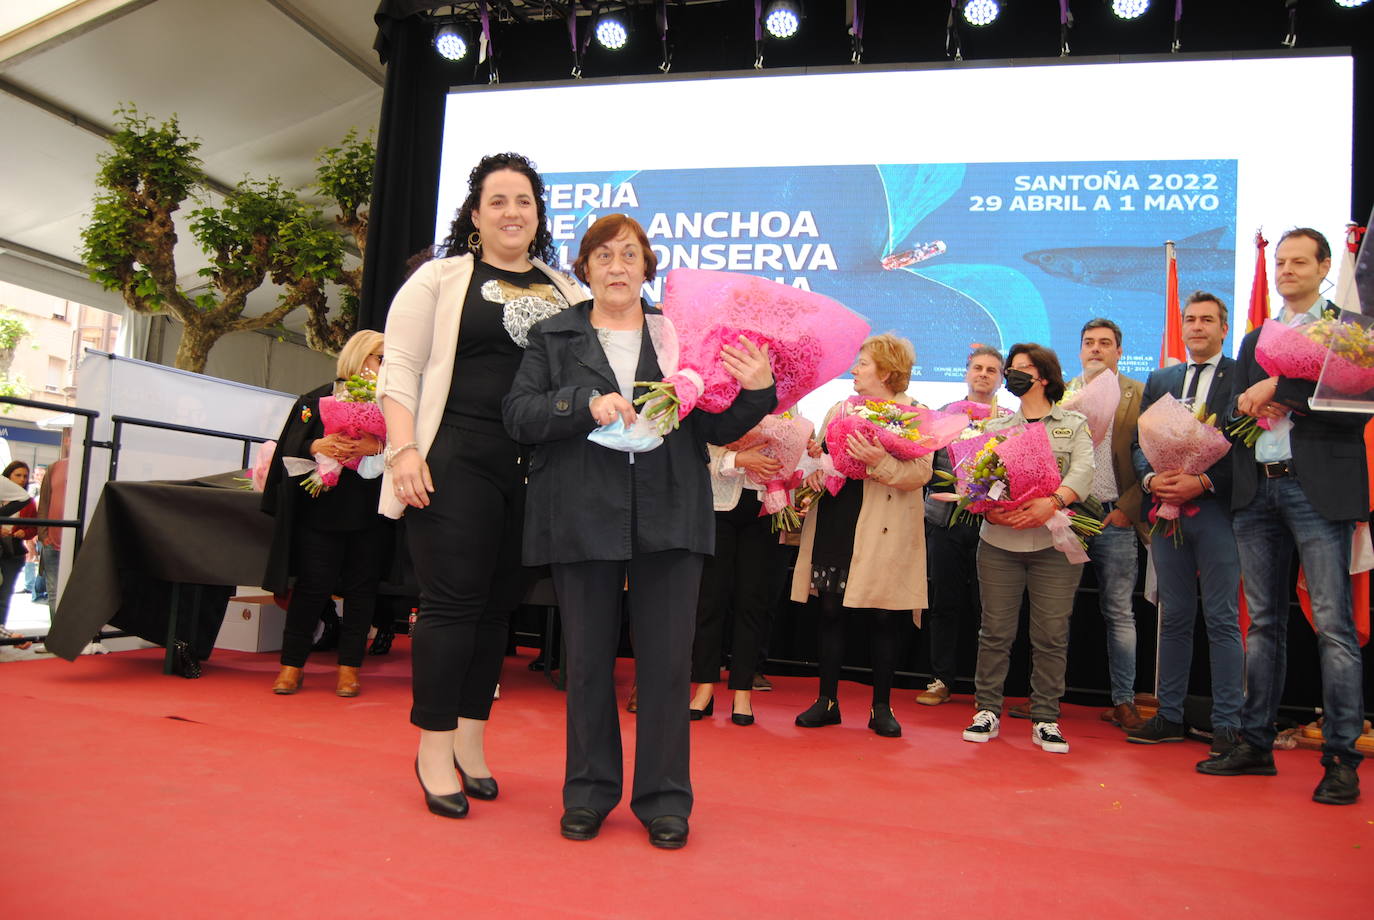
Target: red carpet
[{"x": 131, "y": 794}]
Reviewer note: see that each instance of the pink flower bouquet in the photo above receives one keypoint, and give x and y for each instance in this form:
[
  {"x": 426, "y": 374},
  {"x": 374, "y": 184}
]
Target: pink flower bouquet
[
  {"x": 1097, "y": 400},
  {"x": 262, "y": 464},
  {"x": 1002, "y": 469},
  {"x": 976, "y": 411},
  {"x": 783, "y": 438},
  {"x": 353, "y": 413},
  {"x": 1301, "y": 352},
  {"x": 1173, "y": 437},
  {"x": 811, "y": 339},
  {"x": 905, "y": 432}
]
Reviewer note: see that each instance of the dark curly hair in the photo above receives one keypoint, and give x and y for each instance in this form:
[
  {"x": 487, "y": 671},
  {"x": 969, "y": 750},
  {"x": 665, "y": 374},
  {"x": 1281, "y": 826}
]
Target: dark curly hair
[{"x": 456, "y": 243}]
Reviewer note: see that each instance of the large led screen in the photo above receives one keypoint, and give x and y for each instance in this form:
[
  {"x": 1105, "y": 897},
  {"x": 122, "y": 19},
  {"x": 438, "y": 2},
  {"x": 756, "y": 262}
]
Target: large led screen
[{"x": 954, "y": 205}]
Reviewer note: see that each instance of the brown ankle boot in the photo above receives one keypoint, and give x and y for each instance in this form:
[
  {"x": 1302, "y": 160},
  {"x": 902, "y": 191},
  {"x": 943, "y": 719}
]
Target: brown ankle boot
[
  {"x": 288, "y": 680},
  {"x": 348, "y": 681}
]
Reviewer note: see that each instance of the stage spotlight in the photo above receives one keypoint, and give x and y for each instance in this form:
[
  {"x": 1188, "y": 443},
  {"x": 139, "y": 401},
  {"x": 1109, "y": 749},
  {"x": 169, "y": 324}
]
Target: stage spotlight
[
  {"x": 450, "y": 44},
  {"x": 1130, "y": 9},
  {"x": 611, "y": 34},
  {"x": 1351, "y": 4},
  {"x": 981, "y": 12},
  {"x": 781, "y": 19}
]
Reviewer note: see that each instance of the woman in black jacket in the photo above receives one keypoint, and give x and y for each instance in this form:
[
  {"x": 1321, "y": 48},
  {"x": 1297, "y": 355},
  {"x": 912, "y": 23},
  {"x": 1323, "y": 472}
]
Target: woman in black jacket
[
  {"x": 603, "y": 518},
  {"x": 333, "y": 542}
]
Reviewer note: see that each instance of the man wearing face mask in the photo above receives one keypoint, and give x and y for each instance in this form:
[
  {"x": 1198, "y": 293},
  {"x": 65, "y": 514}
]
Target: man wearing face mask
[
  {"x": 1113, "y": 552},
  {"x": 951, "y": 549}
]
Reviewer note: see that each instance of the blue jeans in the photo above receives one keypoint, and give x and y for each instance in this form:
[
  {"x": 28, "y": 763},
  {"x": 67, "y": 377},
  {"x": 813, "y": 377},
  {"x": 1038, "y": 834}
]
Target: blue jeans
[
  {"x": 1278, "y": 519},
  {"x": 1113, "y": 555},
  {"x": 1209, "y": 555}
]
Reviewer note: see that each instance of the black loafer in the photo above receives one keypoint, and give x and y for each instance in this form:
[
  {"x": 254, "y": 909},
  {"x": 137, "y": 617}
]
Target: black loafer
[
  {"x": 478, "y": 787},
  {"x": 580, "y": 823},
  {"x": 1340, "y": 786},
  {"x": 824, "y": 711},
  {"x": 668, "y": 832}
]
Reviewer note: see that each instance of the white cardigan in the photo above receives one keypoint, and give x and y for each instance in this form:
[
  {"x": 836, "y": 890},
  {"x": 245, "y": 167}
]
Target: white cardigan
[{"x": 422, "y": 342}]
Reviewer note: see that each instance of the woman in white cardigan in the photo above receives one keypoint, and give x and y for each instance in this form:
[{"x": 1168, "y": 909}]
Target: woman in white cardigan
[{"x": 456, "y": 332}]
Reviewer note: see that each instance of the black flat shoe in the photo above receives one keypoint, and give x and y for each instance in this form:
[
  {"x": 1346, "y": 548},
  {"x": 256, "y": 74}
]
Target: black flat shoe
[
  {"x": 483, "y": 788},
  {"x": 446, "y": 806},
  {"x": 381, "y": 643},
  {"x": 580, "y": 823},
  {"x": 883, "y": 722},
  {"x": 824, "y": 711},
  {"x": 668, "y": 832},
  {"x": 742, "y": 718},
  {"x": 697, "y": 715}
]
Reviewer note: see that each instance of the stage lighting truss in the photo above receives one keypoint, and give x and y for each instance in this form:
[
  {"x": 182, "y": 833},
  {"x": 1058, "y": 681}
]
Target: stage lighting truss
[
  {"x": 1130, "y": 9},
  {"x": 611, "y": 33},
  {"x": 981, "y": 12},
  {"x": 449, "y": 42},
  {"x": 781, "y": 19}
]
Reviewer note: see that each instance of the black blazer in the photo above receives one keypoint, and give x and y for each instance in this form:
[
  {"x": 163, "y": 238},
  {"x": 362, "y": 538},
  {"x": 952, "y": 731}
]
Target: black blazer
[
  {"x": 1219, "y": 397},
  {"x": 1328, "y": 447},
  {"x": 578, "y": 507}
]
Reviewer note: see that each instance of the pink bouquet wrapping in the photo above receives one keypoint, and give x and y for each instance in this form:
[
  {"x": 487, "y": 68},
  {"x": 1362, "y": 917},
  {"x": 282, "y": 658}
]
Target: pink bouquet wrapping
[
  {"x": 905, "y": 432},
  {"x": 1300, "y": 352},
  {"x": 353, "y": 413},
  {"x": 1172, "y": 437},
  {"x": 353, "y": 420},
  {"x": 976, "y": 411},
  {"x": 262, "y": 464},
  {"x": 783, "y": 438},
  {"x": 1097, "y": 400},
  {"x": 1002, "y": 469},
  {"x": 811, "y": 339}
]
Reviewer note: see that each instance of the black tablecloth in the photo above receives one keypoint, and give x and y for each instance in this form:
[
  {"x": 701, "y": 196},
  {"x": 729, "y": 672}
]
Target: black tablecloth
[{"x": 146, "y": 536}]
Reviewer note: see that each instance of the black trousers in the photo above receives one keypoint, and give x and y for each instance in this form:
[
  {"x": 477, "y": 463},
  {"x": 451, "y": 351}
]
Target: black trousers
[
  {"x": 740, "y": 578},
  {"x": 662, "y": 605},
  {"x": 465, "y": 547},
  {"x": 952, "y": 561},
  {"x": 346, "y": 562},
  {"x": 885, "y": 637}
]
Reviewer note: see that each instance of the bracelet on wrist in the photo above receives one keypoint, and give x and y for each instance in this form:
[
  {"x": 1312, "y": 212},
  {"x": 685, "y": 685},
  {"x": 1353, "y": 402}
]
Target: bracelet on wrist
[
  {"x": 391, "y": 453},
  {"x": 1054, "y": 496}
]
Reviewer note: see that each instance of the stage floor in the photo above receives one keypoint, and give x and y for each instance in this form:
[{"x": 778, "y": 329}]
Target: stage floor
[{"x": 130, "y": 794}]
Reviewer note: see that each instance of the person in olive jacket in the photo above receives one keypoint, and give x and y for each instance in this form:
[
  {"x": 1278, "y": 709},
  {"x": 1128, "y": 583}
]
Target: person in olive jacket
[{"x": 604, "y": 518}]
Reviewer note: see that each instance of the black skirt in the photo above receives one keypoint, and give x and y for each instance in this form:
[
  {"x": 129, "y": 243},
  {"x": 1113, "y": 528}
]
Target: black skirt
[{"x": 833, "y": 547}]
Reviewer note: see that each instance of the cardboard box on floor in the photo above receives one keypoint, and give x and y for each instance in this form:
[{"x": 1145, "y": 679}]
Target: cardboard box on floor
[{"x": 252, "y": 623}]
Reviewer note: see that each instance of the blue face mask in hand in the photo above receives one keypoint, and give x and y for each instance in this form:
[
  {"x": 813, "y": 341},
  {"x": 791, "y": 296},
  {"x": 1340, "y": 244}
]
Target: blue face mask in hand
[{"x": 639, "y": 438}]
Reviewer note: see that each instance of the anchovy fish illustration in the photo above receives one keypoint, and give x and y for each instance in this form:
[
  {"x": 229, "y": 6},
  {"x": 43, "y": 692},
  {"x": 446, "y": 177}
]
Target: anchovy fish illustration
[
  {"x": 1140, "y": 268},
  {"x": 920, "y": 253}
]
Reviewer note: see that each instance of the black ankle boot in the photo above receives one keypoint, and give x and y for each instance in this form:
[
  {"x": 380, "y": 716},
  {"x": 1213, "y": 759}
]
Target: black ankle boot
[
  {"x": 883, "y": 722},
  {"x": 825, "y": 711}
]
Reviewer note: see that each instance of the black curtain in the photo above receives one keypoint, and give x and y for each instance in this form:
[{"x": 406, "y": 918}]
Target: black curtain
[{"x": 406, "y": 184}]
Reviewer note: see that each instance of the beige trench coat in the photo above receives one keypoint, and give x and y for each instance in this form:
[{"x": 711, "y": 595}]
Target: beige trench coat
[{"x": 888, "y": 568}]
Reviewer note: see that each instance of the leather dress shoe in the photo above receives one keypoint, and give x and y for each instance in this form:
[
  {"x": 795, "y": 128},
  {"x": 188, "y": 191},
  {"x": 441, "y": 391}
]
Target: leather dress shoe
[
  {"x": 479, "y": 787},
  {"x": 1340, "y": 786},
  {"x": 697, "y": 715},
  {"x": 883, "y": 722},
  {"x": 580, "y": 823},
  {"x": 824, "y": 711},
  {"x": 668, "y": 832},
  {"x": 288, "y": 680},
  {"x": 348, "y": 682},
  {"x": 446, "y": 806},
  {"x": 1020, "y": 711},
  {"x": 1127, "y": 716},
  {"x": 1243, "y": 759}
]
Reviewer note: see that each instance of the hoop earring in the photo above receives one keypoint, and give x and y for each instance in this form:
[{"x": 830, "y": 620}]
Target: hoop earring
[{"x": 475, "y": 243}]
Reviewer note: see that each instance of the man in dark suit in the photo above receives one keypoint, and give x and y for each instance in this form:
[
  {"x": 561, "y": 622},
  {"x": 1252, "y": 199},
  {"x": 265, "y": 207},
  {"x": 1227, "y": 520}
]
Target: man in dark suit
[
  {"x": 1303, "y": 485},
  {"x": 1207, "y": 551}
]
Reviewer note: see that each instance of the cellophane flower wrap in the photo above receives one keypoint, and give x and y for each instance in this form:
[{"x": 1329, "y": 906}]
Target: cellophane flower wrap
[
  {"x": 783, "y": 438},
  {"x": 1300, "y": 352},
  {"x": 1174, "y": 437},
  {"x": 975, "y": 411},
  {"x": 811, "y": 339},
  {"x": 352, "y": 413},
  {"x": 1003, "y": 468},
  {"x": 262, "y": 465},
  {"x": 905, "y": 432},
  {"x": 1097, "y": 400}
]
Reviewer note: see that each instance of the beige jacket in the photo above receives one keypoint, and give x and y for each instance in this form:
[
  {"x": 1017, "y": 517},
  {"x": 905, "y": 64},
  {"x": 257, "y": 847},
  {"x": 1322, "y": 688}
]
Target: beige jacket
[
  {"x": 888, "y": 568},
  {"x": 421, "y": 342}
]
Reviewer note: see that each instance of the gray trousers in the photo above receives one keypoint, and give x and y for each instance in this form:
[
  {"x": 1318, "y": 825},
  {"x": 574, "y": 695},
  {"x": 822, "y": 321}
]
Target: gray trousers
[{"x": 1003, "y": 577}]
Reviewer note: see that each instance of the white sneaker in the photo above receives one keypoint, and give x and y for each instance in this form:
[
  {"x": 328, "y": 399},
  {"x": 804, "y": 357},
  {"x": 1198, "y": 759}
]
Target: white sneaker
[
  {"x": 1049, "y": 737},
  {"x": 984, "y": 726}
]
